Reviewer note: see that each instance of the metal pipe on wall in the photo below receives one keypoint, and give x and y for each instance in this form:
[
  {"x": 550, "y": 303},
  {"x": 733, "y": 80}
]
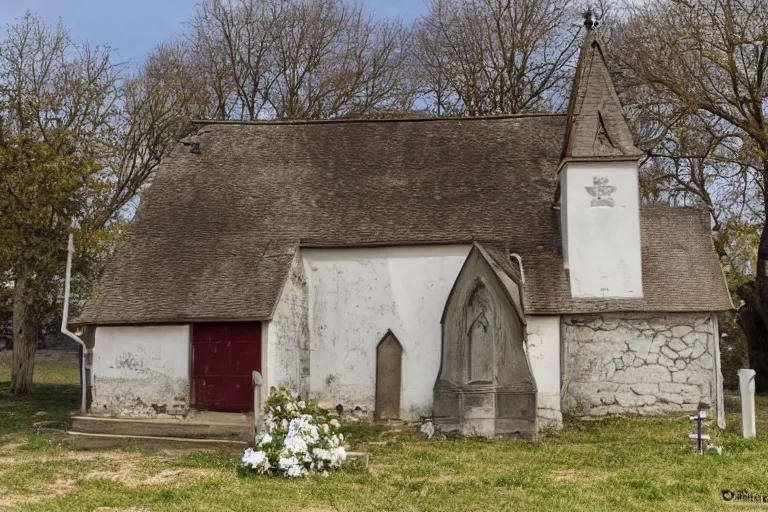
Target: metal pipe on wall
[{"x": 67, "y": 332}]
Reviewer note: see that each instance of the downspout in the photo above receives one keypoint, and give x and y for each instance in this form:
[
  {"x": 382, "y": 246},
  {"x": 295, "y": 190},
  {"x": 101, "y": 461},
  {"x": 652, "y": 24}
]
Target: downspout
[{"x": 67, "y": 332}]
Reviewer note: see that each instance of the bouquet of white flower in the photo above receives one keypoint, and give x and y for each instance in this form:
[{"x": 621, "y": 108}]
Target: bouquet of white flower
[{"x": 299, "y": 438}]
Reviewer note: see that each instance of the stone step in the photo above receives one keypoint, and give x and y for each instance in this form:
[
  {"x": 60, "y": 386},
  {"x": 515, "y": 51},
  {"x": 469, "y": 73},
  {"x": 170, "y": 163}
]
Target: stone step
[
  {"x": 234, "y": 431},
  {"x": 93, "y": 441}
]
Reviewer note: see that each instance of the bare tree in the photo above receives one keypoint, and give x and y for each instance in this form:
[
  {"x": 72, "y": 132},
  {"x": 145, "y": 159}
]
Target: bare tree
[
  {"x": 497, "y": 56},
  {"x": 695, "y": 76},
  {"x": 298, "y": 59},
  {"x": 235, "y": 40}
]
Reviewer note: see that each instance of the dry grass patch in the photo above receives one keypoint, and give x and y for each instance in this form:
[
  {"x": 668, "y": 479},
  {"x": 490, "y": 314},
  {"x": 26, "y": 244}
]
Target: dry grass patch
[
  {"x": 45, "y": 492},
  {"x": 579, "y": 475}
]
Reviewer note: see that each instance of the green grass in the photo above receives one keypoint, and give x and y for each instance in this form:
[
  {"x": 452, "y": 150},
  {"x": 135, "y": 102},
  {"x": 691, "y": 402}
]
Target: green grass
[
  {"x": 56, "y": 392},
  {"x": 614, "y": 464}
]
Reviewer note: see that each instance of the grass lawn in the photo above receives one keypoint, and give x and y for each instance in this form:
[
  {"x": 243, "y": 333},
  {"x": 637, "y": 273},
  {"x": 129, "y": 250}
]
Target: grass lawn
[{"x": 615, "y": 464}]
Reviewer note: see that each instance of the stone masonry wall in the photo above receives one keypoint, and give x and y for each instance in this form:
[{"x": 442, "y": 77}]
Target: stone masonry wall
[{"x": 637, "y": 363}]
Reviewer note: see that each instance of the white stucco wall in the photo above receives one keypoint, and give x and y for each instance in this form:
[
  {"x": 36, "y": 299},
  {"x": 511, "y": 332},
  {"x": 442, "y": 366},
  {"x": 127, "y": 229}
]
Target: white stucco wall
[
  {"x": 288, "y": 336},
  {"x": 355, "y": 295},
  {"x": 141, "y": 371},
  {"x": 602, "y": 237},
  {"x": 544, "y": 357}
]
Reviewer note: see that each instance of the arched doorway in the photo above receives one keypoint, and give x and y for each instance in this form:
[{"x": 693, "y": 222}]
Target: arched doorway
[{"x": 389, "y": 362}]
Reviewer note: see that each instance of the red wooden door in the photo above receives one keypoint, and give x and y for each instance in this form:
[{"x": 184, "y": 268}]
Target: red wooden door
[{"x": 224, "y": 355}]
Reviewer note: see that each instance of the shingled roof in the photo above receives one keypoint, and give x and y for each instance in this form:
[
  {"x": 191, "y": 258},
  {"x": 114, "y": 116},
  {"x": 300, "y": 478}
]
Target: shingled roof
[
  {"x": 216, "y": 233},
  {"x": 596, "y": 125}
]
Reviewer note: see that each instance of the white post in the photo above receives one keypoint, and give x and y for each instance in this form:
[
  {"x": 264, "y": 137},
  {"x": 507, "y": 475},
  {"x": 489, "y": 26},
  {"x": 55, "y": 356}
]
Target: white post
[
  {"x": 258, "y": 381},
  {"x": 747, "y": 388}
]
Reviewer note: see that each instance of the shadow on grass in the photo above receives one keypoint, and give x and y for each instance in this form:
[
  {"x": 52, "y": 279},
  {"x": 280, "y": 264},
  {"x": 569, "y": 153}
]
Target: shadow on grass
[{"x": 48, "y": 407}]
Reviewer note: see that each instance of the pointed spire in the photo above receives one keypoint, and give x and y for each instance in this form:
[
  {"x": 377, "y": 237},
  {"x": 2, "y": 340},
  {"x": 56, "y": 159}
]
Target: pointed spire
[{"x": 596, "y": 128}]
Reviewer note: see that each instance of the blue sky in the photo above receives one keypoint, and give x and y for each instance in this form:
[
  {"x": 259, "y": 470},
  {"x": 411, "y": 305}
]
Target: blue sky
[{"x": 134, "y": 27}]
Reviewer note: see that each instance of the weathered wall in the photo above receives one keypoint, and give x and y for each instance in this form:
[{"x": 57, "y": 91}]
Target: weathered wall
[
  {"x": 544, "y": 356},
  {"x": 635, "y": 363},
  {"x": 141, "y": 371},
  {"x": 355, "y": 296},
  {"x": 601, "y": 228},
  {"x": 288, "y": 334}
]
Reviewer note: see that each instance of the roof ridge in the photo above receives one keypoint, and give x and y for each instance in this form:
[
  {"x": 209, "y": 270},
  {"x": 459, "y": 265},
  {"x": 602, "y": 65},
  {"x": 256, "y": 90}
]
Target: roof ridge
[{"x": 375, "y": 120}]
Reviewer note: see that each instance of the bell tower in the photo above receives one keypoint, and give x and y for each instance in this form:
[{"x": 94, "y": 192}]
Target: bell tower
[{"x": 599, "y": 190}]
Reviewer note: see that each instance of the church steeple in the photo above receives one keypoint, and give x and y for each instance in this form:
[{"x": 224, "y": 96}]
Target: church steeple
[
  {"x": 599, "y": 192},
  {"x": 597, "y": 129}
]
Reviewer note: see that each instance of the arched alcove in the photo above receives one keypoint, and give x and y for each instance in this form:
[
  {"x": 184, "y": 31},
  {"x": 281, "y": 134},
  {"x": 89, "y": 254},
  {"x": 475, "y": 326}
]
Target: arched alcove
[
  {"x": 479, "y": 338},
  {"x": 389, "y": 361},
  {"x": 480, "y": 351}
]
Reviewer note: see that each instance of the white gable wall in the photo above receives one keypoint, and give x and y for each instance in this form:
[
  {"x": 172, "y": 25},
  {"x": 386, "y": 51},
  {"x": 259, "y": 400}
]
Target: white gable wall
[
  {"x": 355, "y": 295},
  {"x": 601, "y": 237},
  {"x": 287, "y": 339},
  {"x": 141, "y": 371}
]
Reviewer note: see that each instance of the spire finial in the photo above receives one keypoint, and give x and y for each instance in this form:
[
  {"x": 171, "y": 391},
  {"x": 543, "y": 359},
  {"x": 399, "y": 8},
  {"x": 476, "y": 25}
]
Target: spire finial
[{"x": 590, "y": 19}]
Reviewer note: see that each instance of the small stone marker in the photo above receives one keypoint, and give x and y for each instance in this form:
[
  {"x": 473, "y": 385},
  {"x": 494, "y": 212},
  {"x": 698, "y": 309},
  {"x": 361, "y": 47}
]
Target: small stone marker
[{"x": 747, "y": 388}]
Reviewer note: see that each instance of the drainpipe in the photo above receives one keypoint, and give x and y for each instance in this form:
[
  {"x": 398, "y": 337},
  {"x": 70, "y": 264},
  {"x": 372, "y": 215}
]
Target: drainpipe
[{"x": 67, "y": 332}]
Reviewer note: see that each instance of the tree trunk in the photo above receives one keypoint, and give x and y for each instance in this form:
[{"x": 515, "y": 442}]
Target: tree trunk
[
  {"x": 753, "y": 315},
  {"x": 751, "y": 319},
  {"x": 26, "y": 331}
]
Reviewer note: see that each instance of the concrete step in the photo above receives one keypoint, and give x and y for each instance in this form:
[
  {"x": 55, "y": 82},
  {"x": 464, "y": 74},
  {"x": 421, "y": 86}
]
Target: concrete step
[
  {"x": 237, "y": 430},
  {"x": 93, "y": 441}
]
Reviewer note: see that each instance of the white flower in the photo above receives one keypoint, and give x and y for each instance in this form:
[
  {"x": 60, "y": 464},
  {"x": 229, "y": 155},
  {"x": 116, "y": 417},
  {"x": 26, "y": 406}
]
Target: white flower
[
  {"x": 288, "y": 462},
  {"x": 247, "y": 455},
  {"x": 295, "y": 444},
  {"x": 269, "y": 421},
  {"x": 254, "y": 459},
  {"x": 321, "y": 453},
  {"x": 263, "y": 438},
  {"x": 338, "y": 455},
  {"x": 308, "y": 444},
  {"x": 296, "y": 471}
]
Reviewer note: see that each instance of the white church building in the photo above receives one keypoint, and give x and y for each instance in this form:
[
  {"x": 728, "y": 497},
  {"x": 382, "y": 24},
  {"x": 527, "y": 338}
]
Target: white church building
[{"x": 323, "y": 254}]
